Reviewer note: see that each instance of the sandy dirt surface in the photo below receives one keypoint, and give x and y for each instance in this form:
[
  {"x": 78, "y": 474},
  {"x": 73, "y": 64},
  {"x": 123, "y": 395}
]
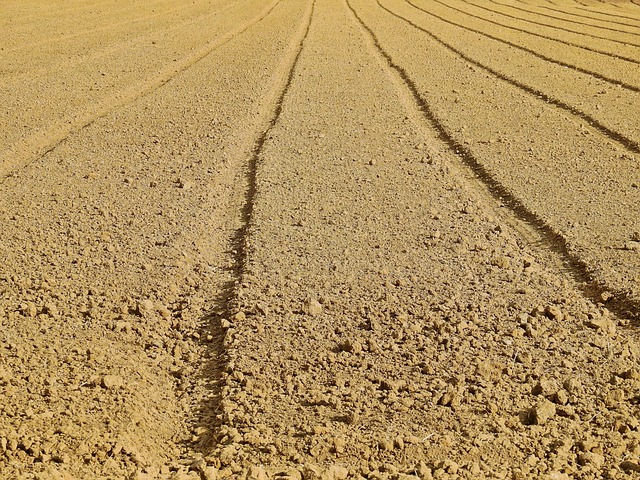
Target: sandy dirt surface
[{"x": 320, "y": 239}]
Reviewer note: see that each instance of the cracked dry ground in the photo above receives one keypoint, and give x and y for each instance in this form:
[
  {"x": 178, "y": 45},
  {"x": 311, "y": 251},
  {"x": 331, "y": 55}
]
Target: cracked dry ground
[{"x": 319, "y": 239}]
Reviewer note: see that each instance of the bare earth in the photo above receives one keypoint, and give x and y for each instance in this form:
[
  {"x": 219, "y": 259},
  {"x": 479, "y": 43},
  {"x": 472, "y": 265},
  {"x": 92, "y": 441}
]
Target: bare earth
[{"x": 319, "y": 239}]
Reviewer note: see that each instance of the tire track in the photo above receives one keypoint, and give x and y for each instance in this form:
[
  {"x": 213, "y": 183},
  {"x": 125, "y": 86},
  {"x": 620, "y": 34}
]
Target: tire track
[
  {"x": 566, "y": 20},
  {"x": 553, "y": 240},
  {"x": 604, "y": 78},
  {"x": 533, "y": 22},
  {"x": 626, "y": 142},
  {"x": 51, "y": 41},
  {"x": 527, "y": 32},
  {"x": 606, "y": 13},
  {"x": 110, "y": 49},
  {"x": 269, "y": 114},
  {"x": 579, "y": 15},
  {"x": 38, "y": 145}
]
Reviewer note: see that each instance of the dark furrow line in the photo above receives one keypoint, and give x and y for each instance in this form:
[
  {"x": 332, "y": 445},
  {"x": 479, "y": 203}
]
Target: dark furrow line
[
  {"x": 626, "y": 142},
  {"x": 228, "y": 299},
  {"x": 533, "y": 22},
  {"x": 118, "y": 100},
  {"x": 566, "y": 20},
  {"x": 527, "y": 32},
  {"x": 622, "y": 305},
  {"x": 581, "y": 16},
  {"x": 604, "y": 78},
  {"x": 606, "y": 13},
  {"x": 252, "y": 175}
]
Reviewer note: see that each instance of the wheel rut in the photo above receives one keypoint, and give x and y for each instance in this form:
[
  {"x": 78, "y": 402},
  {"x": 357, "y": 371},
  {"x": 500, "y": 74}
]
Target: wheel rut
[
  {"x": 624, "y": 306},
  {"x": 539, "y": 35},
  {"x": 39, "y": 145},
  {"x": 627, "y": 143},
  {"x": 617, "y": 30},
  {"x": 535, "y": 53},
  {"x": 210, "y": 413}
]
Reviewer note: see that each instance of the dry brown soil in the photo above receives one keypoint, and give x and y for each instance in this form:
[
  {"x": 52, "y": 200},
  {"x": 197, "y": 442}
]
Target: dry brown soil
[{"x": 319, "y": 239}]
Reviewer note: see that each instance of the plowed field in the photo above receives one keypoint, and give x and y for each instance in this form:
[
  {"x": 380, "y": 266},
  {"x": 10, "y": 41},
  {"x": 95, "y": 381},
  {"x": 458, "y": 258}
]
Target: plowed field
[{"x": 319, "y": 239}]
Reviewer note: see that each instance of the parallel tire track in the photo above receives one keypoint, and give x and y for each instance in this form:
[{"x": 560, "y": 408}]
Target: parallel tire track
[
  {"x": 266, "y": 118},
  {"x": 50, "y": 41},
  {"x": 110, "y": 49},
  {"x": 38, "y": 145},
  {"x": 539, "y": 35},
  {"x": 626, "y": 142},
  {"x": 274, "y": 105},
  {"x": 533, "y": 12},
  {"x": 607, "y": 13},
  {"x": 623, "y": 305},
  {"x": 573, "y": 14},
  {"x": 613, "y": 81}
]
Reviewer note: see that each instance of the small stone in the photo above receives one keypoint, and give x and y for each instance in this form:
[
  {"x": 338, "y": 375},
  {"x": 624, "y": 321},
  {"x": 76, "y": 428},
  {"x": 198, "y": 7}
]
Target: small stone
[
  {"x": 635, "y": 236},
  {"x": 185, "y": 184},
  {"x": 614, "y": 397},
  {"x": 145, "y": 308},
  {"x": 339, "y": 445},
  {"x": 591, "y": 458},
  {"x": 385, "y": 445},
  {"x": 561, "y": 397},
  {"x": 544, "y": 387},
  {"x": 602, "y": 324},
  {"x": 51, "y": 309},
  {"x": 112, "y": 381},
  {"x": 312, "y": 307},
  {"x": 336, "y": 472},
  {"x": 554, "y": 313},
  {"x": 352, "y": 346},
  {"x": 372, "y": 162},
  {"x": 572, "y": 385},
  {"x": 541, "y": 413},
  {"x": 29, "y": 309},
  {"x": 256, "y": 473}
]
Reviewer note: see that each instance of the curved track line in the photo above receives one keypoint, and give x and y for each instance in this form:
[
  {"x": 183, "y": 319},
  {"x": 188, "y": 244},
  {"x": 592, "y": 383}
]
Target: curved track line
[
  {"x": 546, "y": 25},
  {"x": 527, "y": 32},
  {"x": 36, "y": 146},
  {"x": 113, "y": 48},
  {"x": 267, "y": 117},
  {"x": 566, "y": 20},
  {"x": 50, "y": 41},
  {"x": 622, "y": 305},
  {"x": 581, "y": 16},
  {"x": 613, "y": 81},
  {"x": 606, "y": 13},
  {"x": 626, "y": 142}
]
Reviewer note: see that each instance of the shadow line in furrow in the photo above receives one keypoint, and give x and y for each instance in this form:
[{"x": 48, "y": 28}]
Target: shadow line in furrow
[
  {"x": 573, "y": 14},
  {"x": 38, "y": 146},
  {"x": 49, "y": 41},
  {"x": 622, "y": 305},
  {"x": 539, "y": 35},
  {"x": 533, "y": 12},
  {"x": 613, "y": 81},
  {"x": 626, "y": 142},
  {"x": 228, "y": 300}
]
